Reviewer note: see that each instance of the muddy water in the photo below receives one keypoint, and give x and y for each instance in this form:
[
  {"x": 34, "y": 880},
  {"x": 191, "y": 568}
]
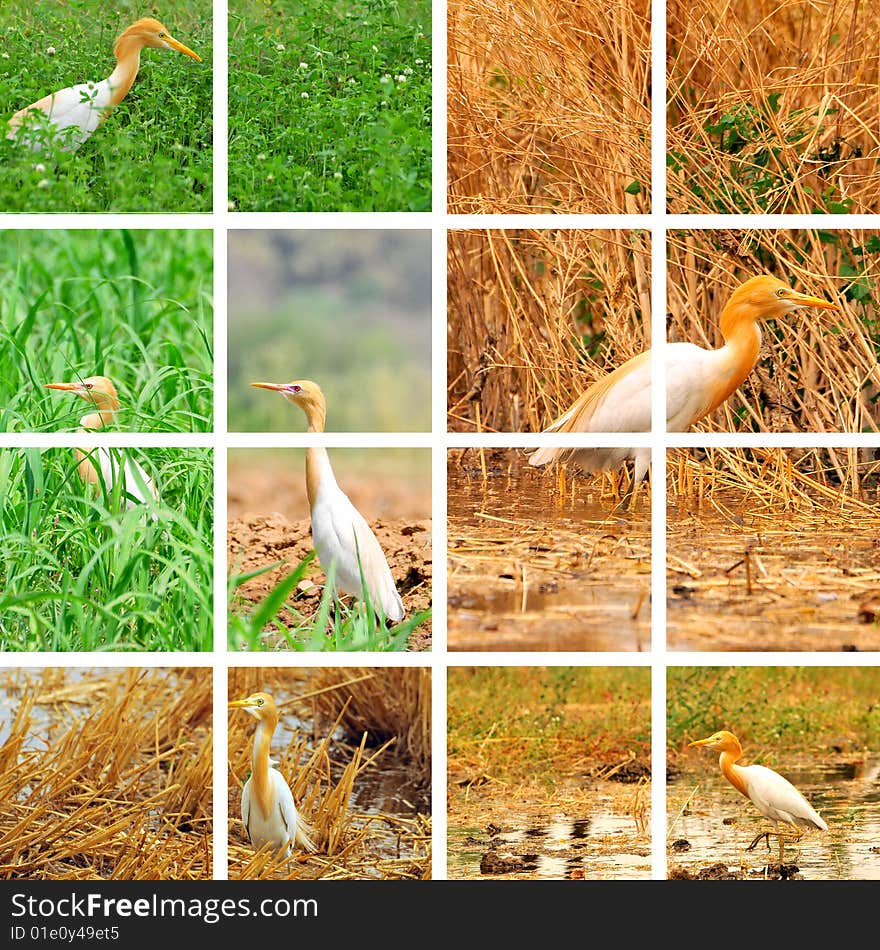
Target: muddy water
[
  {"x": 589, "y": 837},
  {"x": 745, "y": 579},
  {"x": 845, "y": 793},
  {"x": 531, "y": 569}
]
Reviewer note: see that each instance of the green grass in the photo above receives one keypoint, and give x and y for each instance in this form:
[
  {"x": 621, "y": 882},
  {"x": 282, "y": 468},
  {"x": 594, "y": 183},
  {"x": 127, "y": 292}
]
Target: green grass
[
  {"x": 330, "y": 105},
  {"x": 336, "y": 627},
  {"x": 154, "y": 151},
  {"x": 79, "y": 572},
  {"x": 775, "y": 707},
  {"x": 543, "y": 710},
  {"x": 135, "y": 306}
]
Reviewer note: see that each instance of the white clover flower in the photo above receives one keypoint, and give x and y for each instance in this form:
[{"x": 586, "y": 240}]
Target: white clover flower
[
  {"x": 270, "y": 177},
  {"x": 385, "y": 79},
  {"x": 50, "y": 50},
  {"x": 6, "y": 55},
  {"x": 337, "y": 175},
  {"x": 39, "y": 167},
  {"x": 230, "y": 206},
  {"x": 375, "y": 49},
  {"x": 43, "y": 183},
  {"x": 400, "y": 78},
  {"x": 420, "y": 62},
  {"x": 352, "y": 81},
  {"x": 261, "y": 157},
  {"x": 383, "y": 103},
  {"x": 305, "y": 95},
  {"x": 407, "y": 71},
  {"x": 280, "y": 47},
  {"x": 303, "y": 65}
]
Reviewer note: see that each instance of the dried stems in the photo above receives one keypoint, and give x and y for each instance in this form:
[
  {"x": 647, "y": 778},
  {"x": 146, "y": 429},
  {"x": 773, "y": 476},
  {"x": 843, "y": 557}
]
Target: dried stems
[
  {"x": 107, "y": 777},
  {"x": 535, "y": 316},
  {"x": 549, "y": 106}
]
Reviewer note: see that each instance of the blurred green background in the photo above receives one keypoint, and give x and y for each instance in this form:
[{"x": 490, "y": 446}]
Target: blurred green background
[{"x": 349, "y": 309}]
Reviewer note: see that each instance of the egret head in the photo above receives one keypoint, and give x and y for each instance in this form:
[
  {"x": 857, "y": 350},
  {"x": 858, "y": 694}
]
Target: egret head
[
  {"x": 151, "y": 33},
  {"x": 722, "y": 741},
  {"x": 305, "y": 394},
  {"x": 259, "y": 705},
  {"x": 97, "y": 390},
  {"x": 769, "y": 297}
]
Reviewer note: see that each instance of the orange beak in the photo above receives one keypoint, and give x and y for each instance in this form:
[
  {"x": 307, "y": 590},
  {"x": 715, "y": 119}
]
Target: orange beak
[
  {"x": 66, "y": 387},
  {"x": 805, "y": 300},
  {"x": 174, "y": 44},
  {"x": 275, "y": 387}
]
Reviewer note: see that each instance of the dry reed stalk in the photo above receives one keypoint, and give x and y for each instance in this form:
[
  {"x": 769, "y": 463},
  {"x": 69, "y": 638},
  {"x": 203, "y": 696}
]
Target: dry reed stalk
[
  {"x": 803, "y": 81},
  {"x": 548, "y": 106},
  {"x": 122, "y": 792},
  {"x": 323, "y": 773},
  {"x": 775, "y": 479},
  {"x": 818, "y": 369},
  {"x": 534, "y": 317}
]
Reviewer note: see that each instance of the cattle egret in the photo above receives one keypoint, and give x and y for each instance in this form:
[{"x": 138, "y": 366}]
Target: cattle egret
[
  {"x": 697, "y": 380},
  {"x": 343, "y": 539},
  {"x": 101, "y": 394},
  {"x": 774, "y": 796},
  {"x": 70, "y": 116},
  {"x": 267, "y": 808}
]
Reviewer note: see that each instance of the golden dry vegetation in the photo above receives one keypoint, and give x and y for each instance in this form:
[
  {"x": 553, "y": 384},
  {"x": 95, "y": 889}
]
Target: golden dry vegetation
[
  {"x": 106, "y": 774},
  {"x": 773, "y": 107},
  {"x": 535, "y": 316},
  {"x": 549, "y": 107}
]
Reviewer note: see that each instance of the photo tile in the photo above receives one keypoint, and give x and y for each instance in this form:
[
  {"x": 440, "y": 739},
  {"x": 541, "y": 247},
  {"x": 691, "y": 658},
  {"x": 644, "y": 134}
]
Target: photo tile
[
  {"x": 352, "y": 780},
  {"x": 771, "y": 773},
  {"x": 548, "y": 773}
]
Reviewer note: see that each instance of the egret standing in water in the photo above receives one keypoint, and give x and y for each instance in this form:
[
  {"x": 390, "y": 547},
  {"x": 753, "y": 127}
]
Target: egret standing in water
[
  {"x": 343, "y": 539},
  {"x": 81, "y": 108},
  {"x": 698, "y": 380},
  {"x": 100, "y": 393},
  {"x": 267, "y": 808},
  {"x": 774, "y": 796}
]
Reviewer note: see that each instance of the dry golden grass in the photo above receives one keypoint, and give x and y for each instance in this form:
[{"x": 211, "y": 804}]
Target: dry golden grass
[
  {"x": 801, "y": 81},
  {"x": 818, "y": 369},
  {"x": 845, "y": 479},
  {"x": 548, "y": 106},
  {"x": 106, "y": 775},
  {"x": 535, "y": 316},
  {"x": 325, "y": 771}
]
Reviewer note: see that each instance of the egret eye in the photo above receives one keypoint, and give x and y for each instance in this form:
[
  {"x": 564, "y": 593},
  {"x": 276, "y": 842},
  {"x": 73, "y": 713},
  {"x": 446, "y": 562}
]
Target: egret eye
[
  {"x": 89, "y": 385},
  {"x": 780, "y": 292},
  {"x": 161, "y": 36},
  {"x": 260, "y": 702},
  {"x": 297, "y": 389}
]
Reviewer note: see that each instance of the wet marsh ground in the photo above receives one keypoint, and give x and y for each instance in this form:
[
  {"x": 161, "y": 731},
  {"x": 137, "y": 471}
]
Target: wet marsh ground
[
  {"x": 548, "y": 773},
  {"x": 747, "y": 575},
  {"x": 540, "y": 562},
  {"x": 105, "y": 774},
  {"x": 367, "y": 791}
]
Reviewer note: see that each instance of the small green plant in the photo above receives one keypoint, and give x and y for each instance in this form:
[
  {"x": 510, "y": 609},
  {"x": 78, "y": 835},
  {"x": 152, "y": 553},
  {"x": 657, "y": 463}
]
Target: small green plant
[{"x": 334, "y": 627}]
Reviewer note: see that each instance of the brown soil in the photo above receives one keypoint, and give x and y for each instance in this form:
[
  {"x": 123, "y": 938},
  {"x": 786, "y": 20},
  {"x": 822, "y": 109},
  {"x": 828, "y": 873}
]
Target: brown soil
[{"x": 268, "y": 509}]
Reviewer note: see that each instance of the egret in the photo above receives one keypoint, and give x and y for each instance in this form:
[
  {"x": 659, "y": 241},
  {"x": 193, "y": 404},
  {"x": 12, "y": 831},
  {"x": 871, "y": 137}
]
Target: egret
[
  {"x": 774, "y": 796},
  {"x": 100, "y": 393},
  {"x": 83, "y": 107},
  {"x": 344, "y": 541},
  {"x": 698, "y": 380},
  {"x": 267, "y": 808}
]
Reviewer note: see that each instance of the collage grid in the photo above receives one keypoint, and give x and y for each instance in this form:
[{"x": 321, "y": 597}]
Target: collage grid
[{"x": 440, "y": 660}]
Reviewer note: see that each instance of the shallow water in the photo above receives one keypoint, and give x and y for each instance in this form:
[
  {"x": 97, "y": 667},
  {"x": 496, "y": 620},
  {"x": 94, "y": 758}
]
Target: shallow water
[
  {"x": 600, "y": 841},
  {"x": 529, "y": 569},
  {"x": 740, "y": 579},
  {"x": 846, "y": 794}
]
